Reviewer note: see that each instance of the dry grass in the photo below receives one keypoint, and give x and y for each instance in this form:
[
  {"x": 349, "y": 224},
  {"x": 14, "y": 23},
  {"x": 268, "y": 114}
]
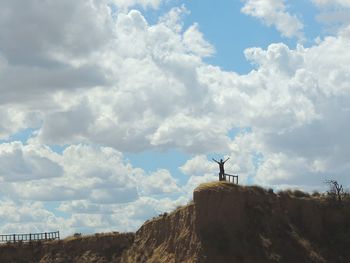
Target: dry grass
[
  {"x": 217, "y": 185},
  {"x": 78, "y": 236},
  {"x": 227, "y": 186}
]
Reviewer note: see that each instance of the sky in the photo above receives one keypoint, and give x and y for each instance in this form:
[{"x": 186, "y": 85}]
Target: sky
[{"x": 112, "y": 110}]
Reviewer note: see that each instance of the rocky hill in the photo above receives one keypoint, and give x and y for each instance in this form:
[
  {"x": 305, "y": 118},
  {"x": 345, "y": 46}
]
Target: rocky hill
[{"x": 224, "y": 223}]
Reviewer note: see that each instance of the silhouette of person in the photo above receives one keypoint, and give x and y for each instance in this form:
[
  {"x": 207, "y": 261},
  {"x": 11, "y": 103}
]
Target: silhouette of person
[{"x": 222, "y": 169}]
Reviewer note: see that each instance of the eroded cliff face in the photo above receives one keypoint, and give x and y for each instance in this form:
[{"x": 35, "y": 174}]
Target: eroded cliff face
[
  {"x": 231, "y": 223},
  {"x": 169, "y": 238},
  {"x": 250, "y": 224}
]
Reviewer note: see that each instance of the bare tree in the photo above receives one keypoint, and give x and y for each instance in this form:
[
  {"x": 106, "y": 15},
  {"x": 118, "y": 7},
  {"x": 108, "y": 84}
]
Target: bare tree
[{"x": 336, "y": 191}]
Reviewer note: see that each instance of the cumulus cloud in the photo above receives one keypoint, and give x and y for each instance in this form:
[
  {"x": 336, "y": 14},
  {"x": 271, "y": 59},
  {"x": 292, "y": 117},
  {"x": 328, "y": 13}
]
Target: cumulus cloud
[
  {"x": 92, "y": 185},
  {"x": 195, "y": 42},
  {"x": 129, "y": 86},
  {"x": 29, "y": 217},
  {"x": 189, "y": 105},
  {"x": 50, "y": 28},
  {"x": 274, "y": 13},
  {"x": 130, "y": 114},
  {"x": 159, "y": 182},
  {"x": 121, "y": 106},
  {"x": 282, "y": 171},
  {"x": 311, "y": 141},
  {"x": 45, "y": 50},
  {"x": 198, "y": 166},
  {"x": 323, "y": 3},
  {"x": 334, "y": 14},
  {"x": 124, "y": 4},
  {"x": 14, "y": 119},
  {"x": 24, "y": 163}
]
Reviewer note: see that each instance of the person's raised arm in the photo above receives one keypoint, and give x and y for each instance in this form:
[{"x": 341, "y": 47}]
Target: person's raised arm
[
  {"x": 226, "y": 159},
  {"x": 215, "y": 160}
]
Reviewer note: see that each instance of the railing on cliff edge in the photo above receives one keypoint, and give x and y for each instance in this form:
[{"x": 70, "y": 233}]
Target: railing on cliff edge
[
  {"x": 30, "y": 237},
  {"x": 232, "y": 178}
]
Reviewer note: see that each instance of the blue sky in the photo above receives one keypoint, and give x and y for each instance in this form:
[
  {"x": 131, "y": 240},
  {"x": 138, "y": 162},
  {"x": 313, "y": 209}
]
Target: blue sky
[{"x": 112, "y": 111}]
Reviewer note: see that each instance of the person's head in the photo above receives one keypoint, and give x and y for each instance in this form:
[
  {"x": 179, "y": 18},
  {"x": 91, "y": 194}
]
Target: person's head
[{"x": 221, "y": 160}]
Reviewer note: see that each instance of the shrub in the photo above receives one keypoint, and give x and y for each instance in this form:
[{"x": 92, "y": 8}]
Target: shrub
[
  {"x": 336, "y": 192},
  {"x": 77, "y": 235},
  {"x": 258, "y": 189},
  {"x": 316, "y": 194},
  {"x": 298, "y": 193},
  {"x": 286, "y": 192}
]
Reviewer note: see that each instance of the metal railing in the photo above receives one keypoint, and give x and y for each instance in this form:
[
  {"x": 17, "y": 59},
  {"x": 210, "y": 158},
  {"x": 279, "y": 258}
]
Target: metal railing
[
  {"x": 30, "y": 237},
  {"x": 232, "y": 178}
]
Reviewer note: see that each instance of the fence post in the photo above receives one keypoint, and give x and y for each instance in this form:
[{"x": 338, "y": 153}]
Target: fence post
[{"x": 29, "y": 237}]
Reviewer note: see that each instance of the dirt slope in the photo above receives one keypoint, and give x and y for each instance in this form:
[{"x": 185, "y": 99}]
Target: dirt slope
[
  {"x": 169, "y": 238},
  {"x": 230, "y": 223},
  {"x": 98, "y": 248}
]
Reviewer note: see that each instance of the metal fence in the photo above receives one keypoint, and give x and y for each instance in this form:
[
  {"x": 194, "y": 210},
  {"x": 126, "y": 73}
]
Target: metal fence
[
  {"x": 29, "y": 237},
  {"x": 233, "y": 178}
]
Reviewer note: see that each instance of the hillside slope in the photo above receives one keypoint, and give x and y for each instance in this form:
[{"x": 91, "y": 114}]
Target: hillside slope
[
  {"x": 224, "y": 223},
  {"x": 230, "y": 223},
  {"x": 87, "y": 249}
]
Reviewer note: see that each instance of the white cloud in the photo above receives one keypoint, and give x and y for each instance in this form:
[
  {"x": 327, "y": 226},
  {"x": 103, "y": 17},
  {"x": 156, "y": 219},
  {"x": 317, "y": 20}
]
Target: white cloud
[
  {"x": 310, "y": 142},
  {"x": 159, "y": 182},
  {"x": 325, "y": 3},
  {"x": 28, "y": 213},
  {"x": 94, "y": 186},
  {"x": 12, "y": 120},
  {"x": 29, "y": 217},
  {"x": 194, "y": 181},
  {"x": 190, "y": 133},
  {"x": 274, "y": 13},
  {"x": 124, "y": 4},
  {"x": 195, "y": 42},
  {"x": 80, "y": 172},
  {"x": 334, "y": 19},
  {"x": 83, "y": 207},
  {"x": 24, "y": 163},
  {"x": 122, "y": 106},
  {"x": 333, "y": 14},
  {"x": 135, "y": 86},
  {"x": 198, "y": 166},
  {"x": 279, "y": 56},
  {"x": 49, "y": 28},
  {"x": 174, "y": 18},
  {"x": 130, "y": 114}
]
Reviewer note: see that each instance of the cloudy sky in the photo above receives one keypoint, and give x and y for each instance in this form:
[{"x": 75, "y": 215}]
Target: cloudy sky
[{"x": 111, "y": 110}]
